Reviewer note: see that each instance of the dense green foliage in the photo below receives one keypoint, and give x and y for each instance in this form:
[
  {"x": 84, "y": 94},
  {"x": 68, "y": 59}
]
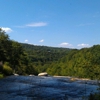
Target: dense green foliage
[
  {"x": 13, "y": 58},
  {"x": 79, "y": 63},
  {"x": 24, "y": 58},
  {"x": 30, "y": 59},
  {"x": 68, "y": 62},
  {"x": 44, "y": 54},
  {"x": 41, "y": 57}
]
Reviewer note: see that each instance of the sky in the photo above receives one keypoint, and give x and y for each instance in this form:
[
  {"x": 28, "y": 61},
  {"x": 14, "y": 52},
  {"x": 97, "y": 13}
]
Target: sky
[{"x": 56, "y": 23}]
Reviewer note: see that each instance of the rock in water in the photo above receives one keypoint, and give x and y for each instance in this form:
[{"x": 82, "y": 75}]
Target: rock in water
[{"x": 43, "y": 74}]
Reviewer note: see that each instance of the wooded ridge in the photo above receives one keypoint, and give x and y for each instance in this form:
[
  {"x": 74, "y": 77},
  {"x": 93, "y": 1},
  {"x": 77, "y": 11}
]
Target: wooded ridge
[{"x": 28, "y": 59}]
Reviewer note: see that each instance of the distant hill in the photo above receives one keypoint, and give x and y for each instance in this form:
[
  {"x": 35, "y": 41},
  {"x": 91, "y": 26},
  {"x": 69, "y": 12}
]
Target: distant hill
[
  {"x": 64, "y": 61},
  {"x": 44, "y": 54},
  {"x": 79, "y": 63},
  {"x": 26, "y": 59}
]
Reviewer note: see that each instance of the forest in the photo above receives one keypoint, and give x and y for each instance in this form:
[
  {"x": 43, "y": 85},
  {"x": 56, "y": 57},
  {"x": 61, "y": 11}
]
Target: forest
[{"x": 25, "y": 59}]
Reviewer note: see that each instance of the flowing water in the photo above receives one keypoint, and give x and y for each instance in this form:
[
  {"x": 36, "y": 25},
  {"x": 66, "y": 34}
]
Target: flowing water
[{"x": 44, "y": 88}]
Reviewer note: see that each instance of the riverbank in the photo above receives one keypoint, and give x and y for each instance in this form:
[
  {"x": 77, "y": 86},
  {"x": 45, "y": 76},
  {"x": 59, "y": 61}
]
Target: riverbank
[
  {"x": 66, "y": 78},
  {"x": 75, "y": 78},
  {"x": 80, "y": 80}
]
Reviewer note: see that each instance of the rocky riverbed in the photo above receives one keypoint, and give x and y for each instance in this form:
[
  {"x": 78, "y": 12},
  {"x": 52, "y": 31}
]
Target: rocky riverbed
[{"x": 45, "y": 88}]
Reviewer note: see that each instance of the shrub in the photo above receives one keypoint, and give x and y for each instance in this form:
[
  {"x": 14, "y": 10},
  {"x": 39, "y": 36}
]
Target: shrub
[
  {"x": 1, "y": 75},
  {"x": 7, "y": 70}
]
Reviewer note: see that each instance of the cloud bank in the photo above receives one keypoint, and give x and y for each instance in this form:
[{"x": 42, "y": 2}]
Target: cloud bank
[
  {"x": 83, "y": 45},
  {"x": 65, "y": 44}
]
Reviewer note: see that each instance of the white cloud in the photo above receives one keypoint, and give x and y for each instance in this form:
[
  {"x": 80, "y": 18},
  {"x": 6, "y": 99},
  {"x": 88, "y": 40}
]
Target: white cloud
[
  {"x": 41, "y": 40},
  {"x": 65, "y": 44},
  {"x": 7, "y": 29},
  {"x": 26, "y": 40},
  {"x": 31, "y": 43},
  {"x": 83, "y": 45},
  {"x": 39, "y": 24}
]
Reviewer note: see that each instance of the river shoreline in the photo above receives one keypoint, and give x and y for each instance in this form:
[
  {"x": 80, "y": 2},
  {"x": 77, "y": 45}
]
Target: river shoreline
[
  {"x": 70, "y": 79},
  {"x": 82, "y": 80}
]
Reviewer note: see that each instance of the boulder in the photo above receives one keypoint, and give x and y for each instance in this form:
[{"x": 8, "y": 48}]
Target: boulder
[
  {"x": 31, "y": 75},
  {"x": 43, "y": 74},
  {"x": 15, "y": 74}
]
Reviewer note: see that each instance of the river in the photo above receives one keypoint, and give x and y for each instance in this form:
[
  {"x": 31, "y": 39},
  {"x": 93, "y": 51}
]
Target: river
[{"x": 44, "y": 88}]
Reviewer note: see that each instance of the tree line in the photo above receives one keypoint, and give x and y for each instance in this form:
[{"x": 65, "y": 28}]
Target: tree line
[
  {"x": 26, "y": 59},
  {"x": 83, "y": 63},
  {"x": 67, "y": 62}
]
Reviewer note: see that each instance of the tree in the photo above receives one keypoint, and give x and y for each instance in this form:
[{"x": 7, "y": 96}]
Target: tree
[
  {"x": 4, "y": 46},
  {"x": 10, "y": 51},
  {"x": 18, "y": 58}
]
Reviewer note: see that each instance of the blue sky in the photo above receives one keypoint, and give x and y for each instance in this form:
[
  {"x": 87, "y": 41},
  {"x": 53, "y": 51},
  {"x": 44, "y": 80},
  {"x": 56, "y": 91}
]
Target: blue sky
[{"x": 57, "y": 23}]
